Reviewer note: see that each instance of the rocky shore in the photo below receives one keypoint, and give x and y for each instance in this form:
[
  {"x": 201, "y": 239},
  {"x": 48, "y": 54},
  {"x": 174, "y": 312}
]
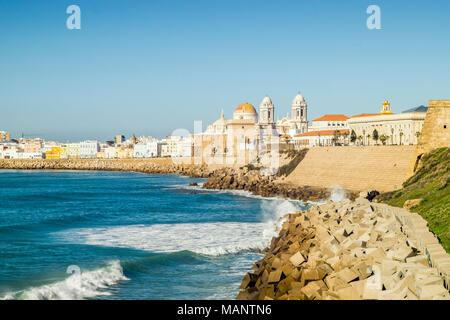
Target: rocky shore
[
  {"x": 351, "y": 250},
  {"x": 251, "y": 180}
]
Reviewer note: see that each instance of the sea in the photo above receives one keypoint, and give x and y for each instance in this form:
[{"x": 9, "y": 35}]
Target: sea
[{"x": 124, "y": 235}]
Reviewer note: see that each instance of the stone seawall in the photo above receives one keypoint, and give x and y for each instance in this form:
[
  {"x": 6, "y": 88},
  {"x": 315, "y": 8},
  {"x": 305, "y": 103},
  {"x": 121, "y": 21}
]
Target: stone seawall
[
  {"x": 156, "y": 166},
  {"x": 350, "y": 251},
  {"x": 383, "y": 168},
  {"x": 253, "y": 181}
]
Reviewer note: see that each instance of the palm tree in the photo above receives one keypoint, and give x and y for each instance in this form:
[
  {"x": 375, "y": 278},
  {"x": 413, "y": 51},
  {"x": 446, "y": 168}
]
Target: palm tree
[
  {"x": 417, "y": 136},
  {"x": 336, "y": 135},
  {"x": 353, "y": 136},
  {"x": 360, "y": 139},
  {"x": 383, "y": 139},
  {"x": 375, "y": 136},
  {"x": 345, "y": 135},
  {"x": 401, "y": 135}
]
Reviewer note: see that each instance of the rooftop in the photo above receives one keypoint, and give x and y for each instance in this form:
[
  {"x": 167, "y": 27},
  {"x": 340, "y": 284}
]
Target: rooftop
[
  {"x": 321, "y": 133},
  {"x": 365, "y": 115},
  {"x": 332, "y": 117}
]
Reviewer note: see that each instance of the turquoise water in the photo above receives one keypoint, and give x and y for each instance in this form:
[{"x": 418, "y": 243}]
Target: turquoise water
[{"x": 121, "y": 235}]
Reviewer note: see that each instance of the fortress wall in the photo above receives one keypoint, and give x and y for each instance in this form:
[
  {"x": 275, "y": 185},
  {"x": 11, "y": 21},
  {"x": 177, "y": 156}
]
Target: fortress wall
[
  {"x": 435, "y": 132},
  {"x": 436, "y": 128},
  {"x": 357, "y": 168}
]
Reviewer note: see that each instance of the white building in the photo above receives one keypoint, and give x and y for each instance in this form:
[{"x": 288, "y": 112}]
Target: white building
[
  {"x": 156, "y": 148},
  {"x": 397, "y": 129},
  {"x": 89, "y": 149},
  {"x": 111, "y": 152},
  {"x": 172, "y": 145},
  {"x": 73, "y": 150},
  {"x": 142, "y": 150},
  {"x": 320, "y": 138},
  {"x": 186, "y": 147},
  {"x": 9, "y": 150},
  {"x": 165, "y": 152},
  {"x": 329, "y": 122}
]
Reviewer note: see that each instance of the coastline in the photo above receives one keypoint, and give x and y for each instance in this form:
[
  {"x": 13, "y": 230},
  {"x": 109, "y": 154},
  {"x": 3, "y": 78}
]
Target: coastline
[
  {"x": 324, "y": 252},
  {"x": 220, "y": 178}
]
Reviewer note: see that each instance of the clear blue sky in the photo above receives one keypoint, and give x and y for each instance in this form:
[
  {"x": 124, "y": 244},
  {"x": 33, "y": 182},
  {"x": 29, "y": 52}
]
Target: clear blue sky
[{"x": 149, "y": 67}]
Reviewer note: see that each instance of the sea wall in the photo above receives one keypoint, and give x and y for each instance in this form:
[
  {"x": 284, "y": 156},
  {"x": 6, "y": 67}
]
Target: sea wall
[
  {"x": 351, "y": 250},
  {"x": 156, "y": 165},
  {"x": 358, "y": 168},
  {"x": 435, "y": 132}
]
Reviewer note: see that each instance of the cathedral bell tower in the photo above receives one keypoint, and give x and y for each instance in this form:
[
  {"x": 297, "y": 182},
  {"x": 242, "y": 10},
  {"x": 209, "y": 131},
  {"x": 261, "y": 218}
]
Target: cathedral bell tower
[
  {"x": 299, "y": 120},
  {"x": 266, "y": 111}
]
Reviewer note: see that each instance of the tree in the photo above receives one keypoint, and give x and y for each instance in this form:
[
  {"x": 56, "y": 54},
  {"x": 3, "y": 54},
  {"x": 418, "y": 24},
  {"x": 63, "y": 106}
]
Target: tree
[
  {"x": 353, "y": 136},
  {"x": 345, "y": 135},
  {"x": 417, "y": 135},
  {"x": 383, "y": 139},
  {"x": 375, "y": 135},
  {"x": 401, "y": 135},
  {"x": 336, "y": 135}
]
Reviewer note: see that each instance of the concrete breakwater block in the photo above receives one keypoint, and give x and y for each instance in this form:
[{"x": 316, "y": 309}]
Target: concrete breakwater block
[{"x": 351, "y": 250}]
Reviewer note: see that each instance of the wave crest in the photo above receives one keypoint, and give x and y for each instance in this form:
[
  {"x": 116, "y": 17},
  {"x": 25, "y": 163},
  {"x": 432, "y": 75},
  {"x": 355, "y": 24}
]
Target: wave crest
[
  {"x": 78, "y": 286},
  {"x": 214, "y": 239}
]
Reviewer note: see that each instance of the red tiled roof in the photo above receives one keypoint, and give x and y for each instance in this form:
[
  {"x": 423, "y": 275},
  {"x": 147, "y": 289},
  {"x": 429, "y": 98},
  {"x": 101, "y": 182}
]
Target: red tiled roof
[
  {"x": 332, "y": 117},
  {"x": 365, "y": 115},
  {"x": 321, "y": 132}
]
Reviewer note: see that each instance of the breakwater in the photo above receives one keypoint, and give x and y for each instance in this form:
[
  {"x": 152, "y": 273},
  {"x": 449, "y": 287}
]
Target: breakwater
[
  {"x": 351, "y": 250},
  {"x": 155, "y": 166}
]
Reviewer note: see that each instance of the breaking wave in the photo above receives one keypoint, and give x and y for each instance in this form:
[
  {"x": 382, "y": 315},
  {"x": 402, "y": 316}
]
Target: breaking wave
[
  {"x": 337, "y": 193},
  {"x": 214, "y": 239},
  {"x": 78, "y": 286}
]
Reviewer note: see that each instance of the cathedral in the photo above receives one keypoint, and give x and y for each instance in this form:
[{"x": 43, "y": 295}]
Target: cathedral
[
  {"x": 246, "y": 117},
  {"x": 249, "y": 135}
]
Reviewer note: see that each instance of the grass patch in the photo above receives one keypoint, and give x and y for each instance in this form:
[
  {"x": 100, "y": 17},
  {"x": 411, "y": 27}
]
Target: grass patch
[{"x": 432, "y": 184}]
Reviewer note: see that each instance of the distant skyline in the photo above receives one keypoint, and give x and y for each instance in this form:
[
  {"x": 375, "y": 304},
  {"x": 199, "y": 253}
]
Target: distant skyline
[{"x": 148, "y": 67}]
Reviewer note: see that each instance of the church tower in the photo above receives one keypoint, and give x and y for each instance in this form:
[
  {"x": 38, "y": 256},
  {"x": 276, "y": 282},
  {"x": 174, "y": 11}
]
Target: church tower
[
  {"x": 299, "y": 121},
  {"x": 266, "y": 111}
]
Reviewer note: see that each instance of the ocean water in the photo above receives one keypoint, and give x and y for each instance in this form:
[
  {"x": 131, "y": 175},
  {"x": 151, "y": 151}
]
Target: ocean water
[{"x": 122, "y": 235}]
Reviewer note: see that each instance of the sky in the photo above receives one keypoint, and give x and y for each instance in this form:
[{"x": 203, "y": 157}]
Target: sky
[{"x": 150, "y": 67}]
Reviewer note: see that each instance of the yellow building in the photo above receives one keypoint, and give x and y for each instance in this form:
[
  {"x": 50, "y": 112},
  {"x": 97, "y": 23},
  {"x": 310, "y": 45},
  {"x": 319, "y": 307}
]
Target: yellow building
[{"x": 54, "y": 153}]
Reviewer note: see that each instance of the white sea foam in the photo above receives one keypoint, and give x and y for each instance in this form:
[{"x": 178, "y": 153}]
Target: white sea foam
[
  {"x": 213, "y": 239},
  {"x": 337, "y": 193},
  {"x": 77, "y": 286}
]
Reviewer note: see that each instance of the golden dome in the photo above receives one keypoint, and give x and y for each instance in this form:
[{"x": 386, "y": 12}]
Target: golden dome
[{"x": 245, "y": 108}]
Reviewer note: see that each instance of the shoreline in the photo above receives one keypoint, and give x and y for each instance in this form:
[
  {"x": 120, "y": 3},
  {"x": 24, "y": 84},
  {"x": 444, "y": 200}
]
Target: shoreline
[
  {"x": 323, "y": 252},
  {"x": 224, "y": 178}
]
